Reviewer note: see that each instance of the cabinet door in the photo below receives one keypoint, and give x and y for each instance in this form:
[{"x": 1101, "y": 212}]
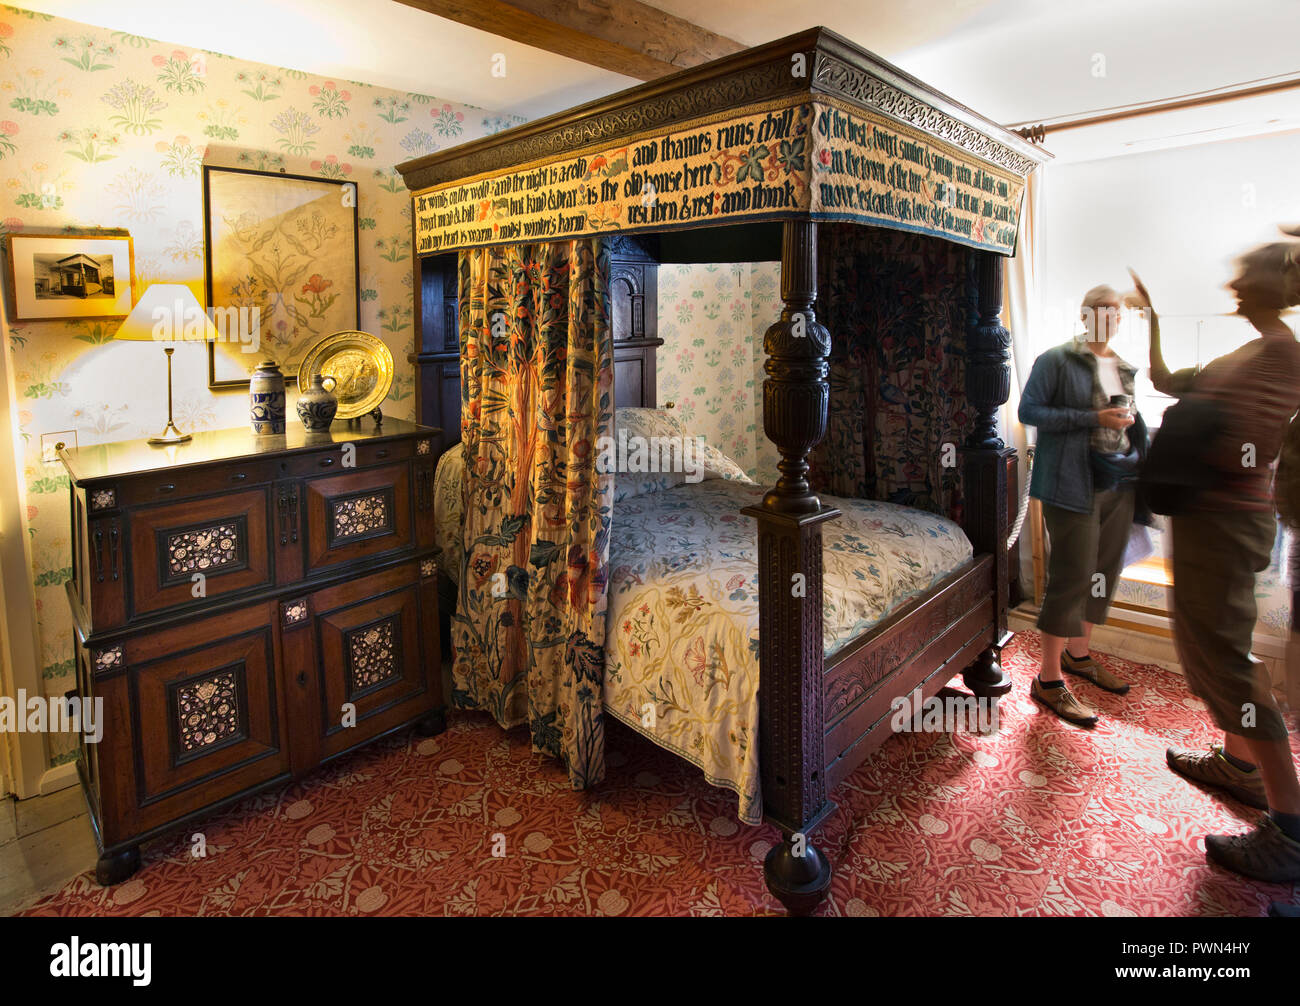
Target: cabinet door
[
  {"x": 357, "y": 515},
  {"x": 206, "y": 717},
  {"x": 193, "y": 551},
  {"x": 377, "y": 640}
]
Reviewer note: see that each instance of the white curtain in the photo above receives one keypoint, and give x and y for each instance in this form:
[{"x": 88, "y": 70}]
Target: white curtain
[{"x": 1022, "y": 280}]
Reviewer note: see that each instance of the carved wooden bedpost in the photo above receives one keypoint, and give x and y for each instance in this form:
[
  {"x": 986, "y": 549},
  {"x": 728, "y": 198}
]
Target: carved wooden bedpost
[
  {"x": 790, "y": 744},
  {"x": 989, "y": 463}
]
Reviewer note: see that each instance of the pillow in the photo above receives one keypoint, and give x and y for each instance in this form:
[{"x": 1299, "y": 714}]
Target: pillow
[
  {"x": 704, "y": 461},
  {"x": 648, "y": 423},
  {"x": 449, "y": 509},
  {"x": 716, "y": 462},
  {"x": 628, "y": 485}
]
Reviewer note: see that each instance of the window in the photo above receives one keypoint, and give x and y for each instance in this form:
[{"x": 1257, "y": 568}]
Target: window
[{"x": 1187, "y": 340}]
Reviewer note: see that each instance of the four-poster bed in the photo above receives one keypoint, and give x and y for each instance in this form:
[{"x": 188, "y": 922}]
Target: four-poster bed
[{"x": 744, "y": 159}]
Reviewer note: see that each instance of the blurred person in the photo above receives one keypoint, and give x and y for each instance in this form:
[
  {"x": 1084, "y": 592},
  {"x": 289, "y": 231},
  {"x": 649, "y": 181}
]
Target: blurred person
[
  {"x": 1286, "y": 493},
  {"x": 1221, "y": 540},
  {"x": 1090, "y": 444}
]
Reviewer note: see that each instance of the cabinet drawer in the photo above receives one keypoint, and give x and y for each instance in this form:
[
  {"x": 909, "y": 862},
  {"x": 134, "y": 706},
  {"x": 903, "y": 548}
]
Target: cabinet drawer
[
  {"x": 224, "y": 538},
  {"x": 160, "y": 487},
  {"x": 348, "y": 455},
  {"x": 357, "y": 514}
]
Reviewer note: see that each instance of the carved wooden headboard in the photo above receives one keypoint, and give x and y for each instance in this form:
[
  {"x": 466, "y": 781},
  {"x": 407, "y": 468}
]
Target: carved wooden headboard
[{"x": 634, "y": 314}]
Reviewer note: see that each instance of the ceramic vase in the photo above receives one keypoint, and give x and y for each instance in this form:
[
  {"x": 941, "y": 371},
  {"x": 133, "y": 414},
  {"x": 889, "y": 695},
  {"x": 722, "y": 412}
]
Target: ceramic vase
[
  {"x": 317, "y": 405},
  {"x": 266, "y": 400}
]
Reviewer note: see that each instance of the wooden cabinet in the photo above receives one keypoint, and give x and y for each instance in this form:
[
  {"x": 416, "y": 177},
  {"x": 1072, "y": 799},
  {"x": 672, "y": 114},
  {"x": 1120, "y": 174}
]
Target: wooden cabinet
[{"x": 245, "y": 609}]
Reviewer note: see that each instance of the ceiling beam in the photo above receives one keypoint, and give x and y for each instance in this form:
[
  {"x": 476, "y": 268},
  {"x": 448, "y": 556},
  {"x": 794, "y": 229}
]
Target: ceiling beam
[{"x": 624, "y": 36}]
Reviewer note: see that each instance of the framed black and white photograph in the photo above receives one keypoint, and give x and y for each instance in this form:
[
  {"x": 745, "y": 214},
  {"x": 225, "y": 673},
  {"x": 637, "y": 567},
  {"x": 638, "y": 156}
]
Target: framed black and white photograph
[
  {"x": 67, "y": 277},
  {"x": 284, "y": 246}
]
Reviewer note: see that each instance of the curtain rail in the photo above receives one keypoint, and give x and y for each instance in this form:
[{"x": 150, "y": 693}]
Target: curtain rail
[{"x": 1036, "y": 132}]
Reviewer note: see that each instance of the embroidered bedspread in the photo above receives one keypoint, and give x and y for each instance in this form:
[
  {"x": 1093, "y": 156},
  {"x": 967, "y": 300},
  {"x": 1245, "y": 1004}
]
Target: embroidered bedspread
[
  {"x": 683, "y": 605},
  {"x": 683, "y": 611}
]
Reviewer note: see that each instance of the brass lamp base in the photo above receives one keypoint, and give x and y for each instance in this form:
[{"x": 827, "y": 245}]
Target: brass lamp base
[{"x": 170, "y": 435}]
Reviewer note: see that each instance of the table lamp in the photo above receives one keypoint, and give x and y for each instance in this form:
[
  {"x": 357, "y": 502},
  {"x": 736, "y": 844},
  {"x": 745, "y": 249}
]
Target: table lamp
[{"x": 168, "y": 313}]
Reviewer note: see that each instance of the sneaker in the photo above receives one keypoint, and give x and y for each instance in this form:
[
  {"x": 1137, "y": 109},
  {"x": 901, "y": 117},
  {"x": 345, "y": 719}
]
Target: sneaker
[
  {"x": 1212, "y": 769},
  {"x": 1266, "y": 854},
  {"x": 1086, "y": 667},
  {"x": 1064, "y": 704}
]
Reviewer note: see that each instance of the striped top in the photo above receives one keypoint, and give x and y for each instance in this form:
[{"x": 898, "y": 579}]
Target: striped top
[{"x": 1258, "y": 387}]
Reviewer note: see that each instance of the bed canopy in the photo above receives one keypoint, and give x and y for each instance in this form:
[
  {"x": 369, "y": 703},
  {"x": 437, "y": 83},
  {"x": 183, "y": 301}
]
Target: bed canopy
[{"x": 745, "y": 159}]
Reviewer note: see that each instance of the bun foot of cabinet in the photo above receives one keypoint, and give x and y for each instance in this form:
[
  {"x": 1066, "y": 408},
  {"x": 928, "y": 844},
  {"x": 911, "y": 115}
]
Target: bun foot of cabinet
[
  {"x": 115, "y": 867},
  {"x": 432, "y": 723}
]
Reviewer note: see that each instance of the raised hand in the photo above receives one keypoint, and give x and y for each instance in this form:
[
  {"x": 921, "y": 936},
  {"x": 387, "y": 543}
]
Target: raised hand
[{"x": 1143, "y": 297}]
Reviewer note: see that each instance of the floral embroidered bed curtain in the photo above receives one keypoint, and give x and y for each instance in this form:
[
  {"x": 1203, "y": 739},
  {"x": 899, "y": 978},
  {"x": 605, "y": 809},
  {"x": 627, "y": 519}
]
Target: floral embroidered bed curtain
[
  {"x": 536, "y": 395},
  {"x": 897, "y": 305}
]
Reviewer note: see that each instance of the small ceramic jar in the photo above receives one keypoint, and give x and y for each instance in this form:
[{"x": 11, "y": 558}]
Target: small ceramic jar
[{"x": 266, "y": 400}]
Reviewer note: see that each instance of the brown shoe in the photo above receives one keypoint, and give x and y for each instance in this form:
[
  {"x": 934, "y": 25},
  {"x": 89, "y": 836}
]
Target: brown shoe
[
  {"x": 1064, "y": 704},
  {"x": 1210, "y": 768},
  {"x": 1266, "y": 854},
  {"x": 1094, "y": 672}
]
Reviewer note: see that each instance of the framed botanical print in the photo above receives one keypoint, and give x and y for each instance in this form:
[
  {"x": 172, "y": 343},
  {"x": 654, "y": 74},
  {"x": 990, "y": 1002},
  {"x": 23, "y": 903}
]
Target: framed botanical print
[
  {"x": 69, "y": 277},
  {"x": 282, "y": 261}
]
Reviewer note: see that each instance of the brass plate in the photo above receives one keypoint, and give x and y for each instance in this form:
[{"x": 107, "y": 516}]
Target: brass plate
[{"x": 362, "y": 368}]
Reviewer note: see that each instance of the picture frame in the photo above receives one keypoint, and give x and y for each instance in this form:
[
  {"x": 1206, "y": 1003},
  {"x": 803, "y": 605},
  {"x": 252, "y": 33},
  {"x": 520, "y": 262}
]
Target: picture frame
[
  {"x": 287, "y": 245},
  {"x": 70, "y": 277}
]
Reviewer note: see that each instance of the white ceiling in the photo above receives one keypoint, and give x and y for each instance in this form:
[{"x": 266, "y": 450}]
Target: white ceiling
[{"x": 1011, "y": 60}]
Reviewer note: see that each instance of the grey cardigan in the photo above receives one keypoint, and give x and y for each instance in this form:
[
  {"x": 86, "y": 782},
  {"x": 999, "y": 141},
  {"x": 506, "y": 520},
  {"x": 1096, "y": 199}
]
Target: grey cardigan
[{"x": 1058, "y": 400}]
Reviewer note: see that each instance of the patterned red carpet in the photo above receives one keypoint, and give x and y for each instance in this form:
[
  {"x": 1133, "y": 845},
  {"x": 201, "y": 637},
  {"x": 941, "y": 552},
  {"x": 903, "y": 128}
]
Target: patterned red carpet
[{"x": 1038, "y": 819}]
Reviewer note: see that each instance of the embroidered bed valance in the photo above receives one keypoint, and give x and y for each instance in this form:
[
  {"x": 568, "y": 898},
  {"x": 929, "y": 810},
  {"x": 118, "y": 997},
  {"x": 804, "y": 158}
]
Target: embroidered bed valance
[{"x": 810, "y": 127}]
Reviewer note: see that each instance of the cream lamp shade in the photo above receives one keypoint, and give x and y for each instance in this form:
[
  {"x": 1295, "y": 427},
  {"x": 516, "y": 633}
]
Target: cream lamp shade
[{"x": 168, "y": 313}]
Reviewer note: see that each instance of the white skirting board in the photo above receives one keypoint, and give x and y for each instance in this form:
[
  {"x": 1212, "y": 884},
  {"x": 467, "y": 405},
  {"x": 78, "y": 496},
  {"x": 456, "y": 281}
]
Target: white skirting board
[{"x": 1148, "y": 647}]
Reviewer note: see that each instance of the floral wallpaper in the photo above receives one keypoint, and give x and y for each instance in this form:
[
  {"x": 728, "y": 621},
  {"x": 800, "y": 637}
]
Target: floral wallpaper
[
  {"x": 712, "y": 319},
  {"x": 765, "y": 301},
  {"x": 99, "y": 129},
  {"x": 706, "y": 363}
]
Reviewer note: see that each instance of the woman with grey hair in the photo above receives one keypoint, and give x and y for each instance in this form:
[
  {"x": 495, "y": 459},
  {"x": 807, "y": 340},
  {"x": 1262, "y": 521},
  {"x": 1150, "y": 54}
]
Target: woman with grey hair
[
  {"x": 1090, "y": 445},
  {"x": 1222, "y": 538}
]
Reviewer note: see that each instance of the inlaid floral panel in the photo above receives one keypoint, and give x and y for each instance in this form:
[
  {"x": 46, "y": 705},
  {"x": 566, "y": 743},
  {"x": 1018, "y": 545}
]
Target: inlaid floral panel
[
  {"x": 207, "y": 711},
  {"x": 203, "y": 549},
  {"x": 360, "y": 516},
  {"x": 372, "y": 654}
]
